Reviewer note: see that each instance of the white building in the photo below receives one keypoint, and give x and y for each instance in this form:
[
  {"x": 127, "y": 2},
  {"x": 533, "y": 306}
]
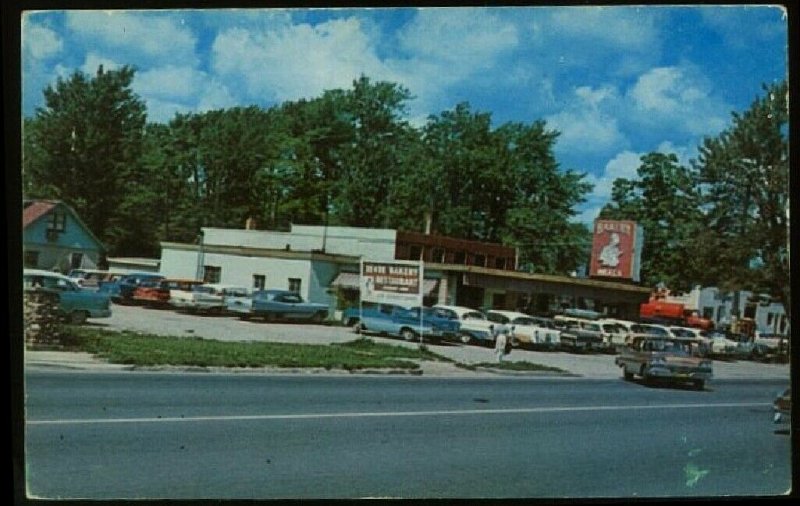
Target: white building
[{"x": 717, "y": 305}]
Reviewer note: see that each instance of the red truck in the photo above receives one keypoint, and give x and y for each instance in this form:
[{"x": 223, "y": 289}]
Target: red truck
[{"x": 676, "y": 313}]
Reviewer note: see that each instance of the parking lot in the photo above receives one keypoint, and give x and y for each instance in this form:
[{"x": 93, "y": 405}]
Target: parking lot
[{"x": 227, "y": 328}]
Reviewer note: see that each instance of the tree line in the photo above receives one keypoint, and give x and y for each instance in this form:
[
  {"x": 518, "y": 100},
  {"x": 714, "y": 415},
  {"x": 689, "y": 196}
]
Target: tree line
[{"x": 349, "y": 157}]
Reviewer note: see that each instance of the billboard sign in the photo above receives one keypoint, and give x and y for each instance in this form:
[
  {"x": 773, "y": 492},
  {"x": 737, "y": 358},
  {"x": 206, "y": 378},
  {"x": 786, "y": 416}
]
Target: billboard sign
[
  {"x": 397, "y": 282},
  {"x": 616, "y": 249}
]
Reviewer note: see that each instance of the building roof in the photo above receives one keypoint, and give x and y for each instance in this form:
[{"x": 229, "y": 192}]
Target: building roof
[{"x": 36, "y": 209}]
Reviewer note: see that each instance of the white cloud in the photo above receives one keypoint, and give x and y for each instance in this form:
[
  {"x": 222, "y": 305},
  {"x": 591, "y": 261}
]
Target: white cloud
[
  {"x": 297, "y": 61},
  {"x": 170, "y": 89},
  {"x": 623, "y": 27},
  {"x": 461, "y": 37},
  {"x": 587, "y": 124},
  {"x": 170, "y": 81},
  {"x": 623, "y": 166},
  {"x": 40, "y": 42},
  {"x": 153, "y": 35},
  {"x": 678, "y": 98}
]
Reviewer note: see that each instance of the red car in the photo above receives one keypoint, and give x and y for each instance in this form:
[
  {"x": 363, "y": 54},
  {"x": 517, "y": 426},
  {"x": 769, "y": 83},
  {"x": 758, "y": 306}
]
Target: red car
[{"x": 156, "y": 293}]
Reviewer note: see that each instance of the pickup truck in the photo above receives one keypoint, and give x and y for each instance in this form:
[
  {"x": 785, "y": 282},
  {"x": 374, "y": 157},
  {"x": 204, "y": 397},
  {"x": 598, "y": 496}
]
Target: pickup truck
[
  {"x": 663, "y": 358},
  {"x": 582, "y": 336},
  {"x": 396, "y": 321}
]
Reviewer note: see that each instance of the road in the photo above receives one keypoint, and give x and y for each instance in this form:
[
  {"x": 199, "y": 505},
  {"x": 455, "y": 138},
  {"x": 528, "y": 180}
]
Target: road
[{"x": 161, "y": 435}]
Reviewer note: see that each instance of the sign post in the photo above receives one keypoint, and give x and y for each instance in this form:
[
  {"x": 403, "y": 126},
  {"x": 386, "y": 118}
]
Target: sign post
[{"x": 392, "y": 282}]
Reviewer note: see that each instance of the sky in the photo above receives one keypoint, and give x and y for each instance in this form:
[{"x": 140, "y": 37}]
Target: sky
[{"x": 617, "y": 82}]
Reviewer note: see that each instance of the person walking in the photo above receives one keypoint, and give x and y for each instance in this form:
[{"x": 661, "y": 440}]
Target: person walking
[{"x": 500, "y": 343}]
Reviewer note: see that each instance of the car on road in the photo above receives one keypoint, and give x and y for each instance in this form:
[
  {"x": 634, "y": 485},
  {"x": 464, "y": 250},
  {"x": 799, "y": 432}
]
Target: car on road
[
  {"x": 274, "y": 305},
  {"x": 121, "y": 290},
  {"x": 782, "y": 408},
  {"x": 663, "y": 358},
  {"x": 397, "y": 321},
  {"x": 527, "y": 331},
  {"x": 474, "y": 327},
  {"x": 206, "y": 298},
  {"x": 75, "y": 304}
]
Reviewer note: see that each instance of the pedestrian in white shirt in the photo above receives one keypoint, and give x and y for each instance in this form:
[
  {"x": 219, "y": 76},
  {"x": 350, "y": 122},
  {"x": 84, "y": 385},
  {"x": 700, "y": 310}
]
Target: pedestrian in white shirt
[{"x": 500, "y": 341}]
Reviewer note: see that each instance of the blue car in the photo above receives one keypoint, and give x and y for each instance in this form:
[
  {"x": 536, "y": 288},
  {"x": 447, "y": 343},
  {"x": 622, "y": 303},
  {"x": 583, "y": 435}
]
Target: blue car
[
  {"x": 75, "y": 304},
  {"x": 396, "y": 321},
  {"x": 275, "y": 305},
  {"x": 121, "y": 290}
]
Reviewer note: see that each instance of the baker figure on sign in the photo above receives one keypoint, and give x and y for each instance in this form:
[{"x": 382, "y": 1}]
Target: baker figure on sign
[{"x": 609, "y": 255}]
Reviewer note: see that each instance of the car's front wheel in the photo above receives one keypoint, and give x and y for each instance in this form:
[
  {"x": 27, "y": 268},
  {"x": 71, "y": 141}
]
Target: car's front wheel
[
  {"x": 627, "y": 375},
  {"x": 699, "y": 384},
  {"x": 408, "y": 334},
  {"x": 465, "y": 338}
]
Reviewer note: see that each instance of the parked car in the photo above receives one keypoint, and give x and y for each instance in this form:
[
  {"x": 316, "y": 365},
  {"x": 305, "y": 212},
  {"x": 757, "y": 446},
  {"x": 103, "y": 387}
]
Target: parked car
[
  {"x": 663, "y": 358},
  {"x": 92, "y": 278},
  {"x": 157, "y": 293},
  {"x": 397, "y": 321},
  {"x": 719, "y": 343},
  {"x": 582, "y": 336},
  {"x": 273, "y": 305},
  {"x": 527, "y": 330},
  {"x": 700, "y": 346},
  {"x": 75, "y": 304},
  {"x": 770, "y": 344},
  {"x": 615, "y": 336},
  {"x": 206, "y": 298},
  {"x": 782, "y": 409},
  {"x": 474, "y": 327},
  {"x": 121, "y": 290}
]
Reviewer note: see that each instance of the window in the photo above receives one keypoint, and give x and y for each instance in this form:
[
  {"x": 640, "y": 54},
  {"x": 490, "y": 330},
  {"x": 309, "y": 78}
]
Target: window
[
  {"x": 499, "y": 263},
  {"x": 479, "y": 260},
  {"x": 75, "y": 260},
  {"x": 437, "y": 255},
  {"x": 720, "y": 313},
  {"x": 415, "y": 252},
  {"x": 459, "y": 257},
  {"x": 58, "y": 222},
  {"x": 212, "y": 274},
  {"x": 259, "y": 281},
  {"x": 769, "y": 318},
  {"x": 708, "y": 312},
  {"x": 294, "y": 285},
  {"x": 31, "y": 259}
]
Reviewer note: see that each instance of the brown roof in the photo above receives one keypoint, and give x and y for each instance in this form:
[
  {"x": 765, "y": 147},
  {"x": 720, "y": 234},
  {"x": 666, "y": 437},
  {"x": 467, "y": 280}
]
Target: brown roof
[{"x": 36, "y": 210}]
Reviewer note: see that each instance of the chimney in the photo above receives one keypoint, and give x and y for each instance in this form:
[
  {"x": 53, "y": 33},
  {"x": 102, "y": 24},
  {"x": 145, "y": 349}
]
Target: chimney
[{"x": 250, "y": 224}]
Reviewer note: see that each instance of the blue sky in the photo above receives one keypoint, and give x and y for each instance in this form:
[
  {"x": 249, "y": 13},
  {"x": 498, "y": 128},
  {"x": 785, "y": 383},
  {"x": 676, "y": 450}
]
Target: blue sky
[{"x": 617, "y": 82}]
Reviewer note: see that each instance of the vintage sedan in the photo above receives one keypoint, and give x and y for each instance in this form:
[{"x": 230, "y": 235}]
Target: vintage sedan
[
  {"x": 274, "y": 305},
  {"x": 665, "y": 359},
  {"x": 75, "y": 304},
  {"x": 206, "y": 298},
  {"x": 397, "y": 321},
  {"x": 782, "y": 409},
  {"x": 527, "y": 331},
  {"x": 474, "y": 326},
  {"x": 157, "y": 293},
  {"x": 121, "y": 290}
]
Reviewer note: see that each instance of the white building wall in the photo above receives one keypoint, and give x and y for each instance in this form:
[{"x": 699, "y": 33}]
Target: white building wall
[
  {"x": 374, "y": 244},
  {"x": 177, "y": 263}
]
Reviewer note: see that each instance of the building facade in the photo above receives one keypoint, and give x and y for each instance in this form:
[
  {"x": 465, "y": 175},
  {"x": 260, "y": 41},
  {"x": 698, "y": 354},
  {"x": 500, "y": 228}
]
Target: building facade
[
  {"x": 321, "y": 264},
  {"x": 55, "y": 238}
]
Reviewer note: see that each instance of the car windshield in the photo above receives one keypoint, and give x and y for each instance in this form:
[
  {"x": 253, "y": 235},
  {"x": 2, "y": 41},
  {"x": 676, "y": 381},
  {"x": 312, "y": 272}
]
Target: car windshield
[
  {"x": 204, "y": 289},
  {"x": 649, "y": 329},
  {"x": 591, "y": 326},
  {"x": 666, "y": 346},
  {"x": 524, "y": 320},
  {"x": 497, "y": 317}
]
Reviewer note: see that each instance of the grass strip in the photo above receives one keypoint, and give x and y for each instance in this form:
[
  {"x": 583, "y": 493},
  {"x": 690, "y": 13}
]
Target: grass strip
[{"x": 138, "y": 349}]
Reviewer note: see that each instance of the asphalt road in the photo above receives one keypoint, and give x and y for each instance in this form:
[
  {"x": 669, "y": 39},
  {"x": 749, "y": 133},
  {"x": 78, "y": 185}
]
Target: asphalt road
[{"x": 160, "y": 435}]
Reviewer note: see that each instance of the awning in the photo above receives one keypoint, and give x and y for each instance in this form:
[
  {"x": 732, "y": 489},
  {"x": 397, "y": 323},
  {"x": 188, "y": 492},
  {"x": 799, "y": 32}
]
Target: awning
[{"x": 349, "y": 280}]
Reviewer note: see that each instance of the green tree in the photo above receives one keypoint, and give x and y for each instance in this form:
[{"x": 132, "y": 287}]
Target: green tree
[
  {"x": 743, "y": 174},
  {"x": 664, "y": 201},
  {"x": 84, "y": 143}
]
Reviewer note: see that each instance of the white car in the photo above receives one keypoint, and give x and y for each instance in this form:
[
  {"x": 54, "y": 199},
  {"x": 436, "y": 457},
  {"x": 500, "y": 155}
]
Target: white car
[
  {"x": 615, "y": 334},
  {"x": 527, "y": 330},
  {"x": 206, "y": 298},
  {"x": 719, "y": 343},
  {"x": 475, "y": 327}
]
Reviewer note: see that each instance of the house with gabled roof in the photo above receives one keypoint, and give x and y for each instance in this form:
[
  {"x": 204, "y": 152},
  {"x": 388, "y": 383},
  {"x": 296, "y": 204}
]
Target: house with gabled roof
[{"x": 55, "y": 238}]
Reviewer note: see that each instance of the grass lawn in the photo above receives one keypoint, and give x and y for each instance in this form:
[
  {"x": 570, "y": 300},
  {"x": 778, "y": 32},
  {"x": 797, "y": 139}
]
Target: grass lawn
[{"x": 152, "y": 350}]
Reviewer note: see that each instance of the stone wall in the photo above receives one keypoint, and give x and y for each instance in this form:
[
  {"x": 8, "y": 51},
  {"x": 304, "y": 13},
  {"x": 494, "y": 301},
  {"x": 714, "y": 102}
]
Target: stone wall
[{"x": 43, "y": 323}]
